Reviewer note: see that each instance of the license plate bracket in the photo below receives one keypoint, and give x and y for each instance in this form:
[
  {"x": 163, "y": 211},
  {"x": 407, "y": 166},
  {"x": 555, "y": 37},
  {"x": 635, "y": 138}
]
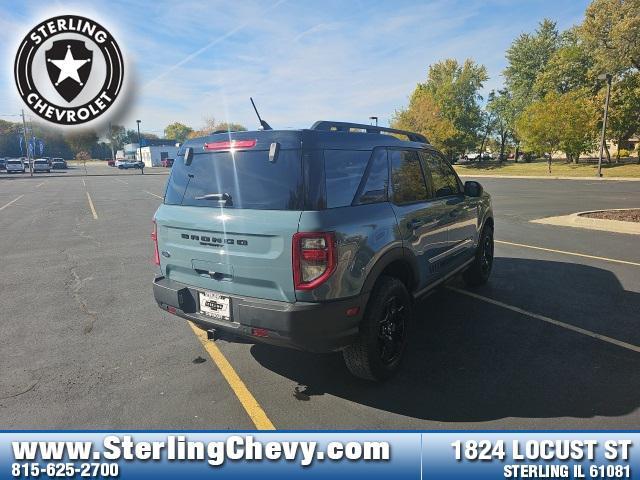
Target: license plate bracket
[{"x": 215, "y": 305}]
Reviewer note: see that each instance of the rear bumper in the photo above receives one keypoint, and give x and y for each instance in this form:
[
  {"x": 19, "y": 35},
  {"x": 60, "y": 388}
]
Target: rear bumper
[{"x": 315, "y": 327}]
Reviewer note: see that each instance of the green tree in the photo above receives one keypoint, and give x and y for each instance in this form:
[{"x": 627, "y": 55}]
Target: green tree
[
  {"x": 177, "y": 131},
  {"x": 10, "y": 138},
  {"x": 501, "y": 107},
  {"x": 624, "y": 110},
  {"x": 101, "y": 150},
  {"x": 527, "y": 56},
  {"x": 450, "y": 94},
  {"x": 424, "y": 116},
  {"x": 231, "y": 127},
  {"x": 83, "y": 141},
  {"x": 568, "y": 68},
  {"x": 488, "y": 126},
  {"x": 611, "y": 29},
  {"x": 118, "y": 136},
  {"x": 557, "y": 122},
  {"x": 211, "y": 125}
]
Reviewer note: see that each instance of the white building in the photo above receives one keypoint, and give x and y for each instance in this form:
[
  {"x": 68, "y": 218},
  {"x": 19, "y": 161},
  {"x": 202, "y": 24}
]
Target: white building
[
  {"x": 153, "y": 155},
  {"x": 129, "y": 151}
]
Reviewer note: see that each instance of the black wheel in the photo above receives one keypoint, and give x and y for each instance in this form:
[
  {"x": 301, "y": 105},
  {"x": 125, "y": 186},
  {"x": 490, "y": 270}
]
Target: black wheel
[
  {"x": 380, "y": 347},
  {"x": 479, "y": 271}
]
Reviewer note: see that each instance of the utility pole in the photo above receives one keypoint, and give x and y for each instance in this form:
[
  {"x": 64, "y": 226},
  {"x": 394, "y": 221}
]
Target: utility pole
[
  {"x": 607, "y": 77},
  {"x": 139, "y": 144},
  {"x": 26, "y": 143}
]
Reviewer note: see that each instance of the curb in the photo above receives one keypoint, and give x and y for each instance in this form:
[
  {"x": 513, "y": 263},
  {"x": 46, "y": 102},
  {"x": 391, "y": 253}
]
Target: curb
[
  {"x": 577, "y": 221},
  {"x": 542, "y": 177}
]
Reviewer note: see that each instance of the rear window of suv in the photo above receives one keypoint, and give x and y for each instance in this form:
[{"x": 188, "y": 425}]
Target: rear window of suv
[{"x": 248, "y": 179}]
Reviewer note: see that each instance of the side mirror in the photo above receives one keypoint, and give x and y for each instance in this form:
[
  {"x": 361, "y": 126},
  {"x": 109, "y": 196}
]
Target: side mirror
[
  {"x": 472, "y": 189},
  {"x": 188, "y": 155}
]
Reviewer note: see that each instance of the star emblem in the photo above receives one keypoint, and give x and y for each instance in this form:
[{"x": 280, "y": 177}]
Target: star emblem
[{"x": 68, "y": 67}]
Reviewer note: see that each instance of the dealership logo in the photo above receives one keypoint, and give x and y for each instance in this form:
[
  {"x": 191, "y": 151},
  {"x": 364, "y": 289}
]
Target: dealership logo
[{"x": 69, "y": 70}]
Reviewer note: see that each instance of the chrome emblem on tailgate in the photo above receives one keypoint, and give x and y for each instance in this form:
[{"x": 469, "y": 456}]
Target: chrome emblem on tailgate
[{"x": 213, "y": 241}]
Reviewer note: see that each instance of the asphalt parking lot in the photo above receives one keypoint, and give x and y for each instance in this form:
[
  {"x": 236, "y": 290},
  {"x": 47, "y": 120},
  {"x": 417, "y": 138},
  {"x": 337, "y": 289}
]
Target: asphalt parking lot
[{"x": 552, "y": 342}]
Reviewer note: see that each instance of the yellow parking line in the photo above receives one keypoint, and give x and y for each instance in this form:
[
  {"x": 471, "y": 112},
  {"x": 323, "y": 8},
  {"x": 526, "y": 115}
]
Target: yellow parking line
[
  {"x": 575, "y": 254},
  {"x": 573, "y": 328},
  {"x": 248, "y": 401},
  {"x": 153, "y": 194},
  {"x": 93, "y": 209},
  {"x": 12, "y": 201}
]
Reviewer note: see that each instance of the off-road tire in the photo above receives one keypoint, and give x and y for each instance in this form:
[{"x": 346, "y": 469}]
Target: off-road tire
[
  {"x": 479, "y": 271},
  {"x": 363, "y": 358}
]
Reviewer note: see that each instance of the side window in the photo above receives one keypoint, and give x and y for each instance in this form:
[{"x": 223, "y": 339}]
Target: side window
[
  {"x": 374, "y": 185},
  {"x": 406, "y": 176},
  {"x": 343, "y": 173},
  {"x": 443, "y": 179}
]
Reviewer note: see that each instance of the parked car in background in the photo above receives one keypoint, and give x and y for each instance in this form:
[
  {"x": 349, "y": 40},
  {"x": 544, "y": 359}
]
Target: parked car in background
[
  {"x": 111, "y": 162},
  {"x": 58, "y": 163},
  {"x": 41, "y": 165},
  {"x": 167, "y": 162},
  {"x": 487, "y": 156},
  {"x": 473, "y": 156},
  {"x": 126, "y": 164},
  {"x": 15, "y": 165},
  {"x": 3, "y": 163}
]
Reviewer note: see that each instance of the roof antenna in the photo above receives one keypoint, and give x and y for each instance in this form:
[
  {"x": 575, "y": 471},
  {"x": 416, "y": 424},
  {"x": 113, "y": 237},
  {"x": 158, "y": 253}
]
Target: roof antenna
[{"x": 263, "y": 124}]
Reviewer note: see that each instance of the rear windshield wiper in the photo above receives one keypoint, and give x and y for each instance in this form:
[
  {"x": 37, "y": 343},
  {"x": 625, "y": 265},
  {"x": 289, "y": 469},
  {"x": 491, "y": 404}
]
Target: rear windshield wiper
[{"x": 221, "y": 197}]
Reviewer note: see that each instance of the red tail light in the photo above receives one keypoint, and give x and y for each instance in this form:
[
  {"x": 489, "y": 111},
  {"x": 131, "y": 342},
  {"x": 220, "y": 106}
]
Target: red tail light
[
  {"x": 314, "y": 258},
  {"x": 230, "y": 144},
  {"x": 154, "y": 237}
]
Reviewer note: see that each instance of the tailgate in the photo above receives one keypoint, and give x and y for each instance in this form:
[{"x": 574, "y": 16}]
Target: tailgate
[{"x": 241, "y": 252}]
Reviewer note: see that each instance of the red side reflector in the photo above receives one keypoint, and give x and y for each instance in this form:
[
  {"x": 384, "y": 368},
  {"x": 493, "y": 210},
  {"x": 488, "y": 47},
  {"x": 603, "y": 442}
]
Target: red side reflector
[
  {"x": 154, "y": 237},
  {"x": 259, "y": 332},
  {"x": 230, "y": 145},
  {"x": 171, "y": 309},
  {"x": 353, "y": 311}
]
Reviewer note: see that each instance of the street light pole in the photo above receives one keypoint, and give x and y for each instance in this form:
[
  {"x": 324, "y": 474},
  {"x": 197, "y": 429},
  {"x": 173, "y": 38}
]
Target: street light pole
[
  {"x": 26, "y": 143},
  {"x": 607, "y": 77},
  {"x": 139, "y": 144}
]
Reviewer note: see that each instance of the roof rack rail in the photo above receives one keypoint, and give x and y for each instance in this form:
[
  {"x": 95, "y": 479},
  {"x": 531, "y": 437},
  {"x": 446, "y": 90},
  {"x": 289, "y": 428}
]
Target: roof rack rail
[{"x": 327, "y": 125}]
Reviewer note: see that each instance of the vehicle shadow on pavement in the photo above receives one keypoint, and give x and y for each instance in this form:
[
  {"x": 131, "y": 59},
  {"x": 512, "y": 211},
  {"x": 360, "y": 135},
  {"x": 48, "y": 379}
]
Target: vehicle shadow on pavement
[{"x": 471, "y": 361}]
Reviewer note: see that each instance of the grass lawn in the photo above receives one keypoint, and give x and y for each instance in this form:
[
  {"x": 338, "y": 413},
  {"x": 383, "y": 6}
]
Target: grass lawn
[{"x": 558, "y": 169}]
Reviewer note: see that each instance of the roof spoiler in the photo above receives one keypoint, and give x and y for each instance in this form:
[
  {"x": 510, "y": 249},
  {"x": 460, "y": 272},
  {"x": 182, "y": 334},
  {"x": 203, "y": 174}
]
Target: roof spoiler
[{"x": 328, "y": 126}]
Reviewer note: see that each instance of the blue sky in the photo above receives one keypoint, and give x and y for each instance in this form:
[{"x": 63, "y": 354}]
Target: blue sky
[{"x": 301, "y": 60}]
